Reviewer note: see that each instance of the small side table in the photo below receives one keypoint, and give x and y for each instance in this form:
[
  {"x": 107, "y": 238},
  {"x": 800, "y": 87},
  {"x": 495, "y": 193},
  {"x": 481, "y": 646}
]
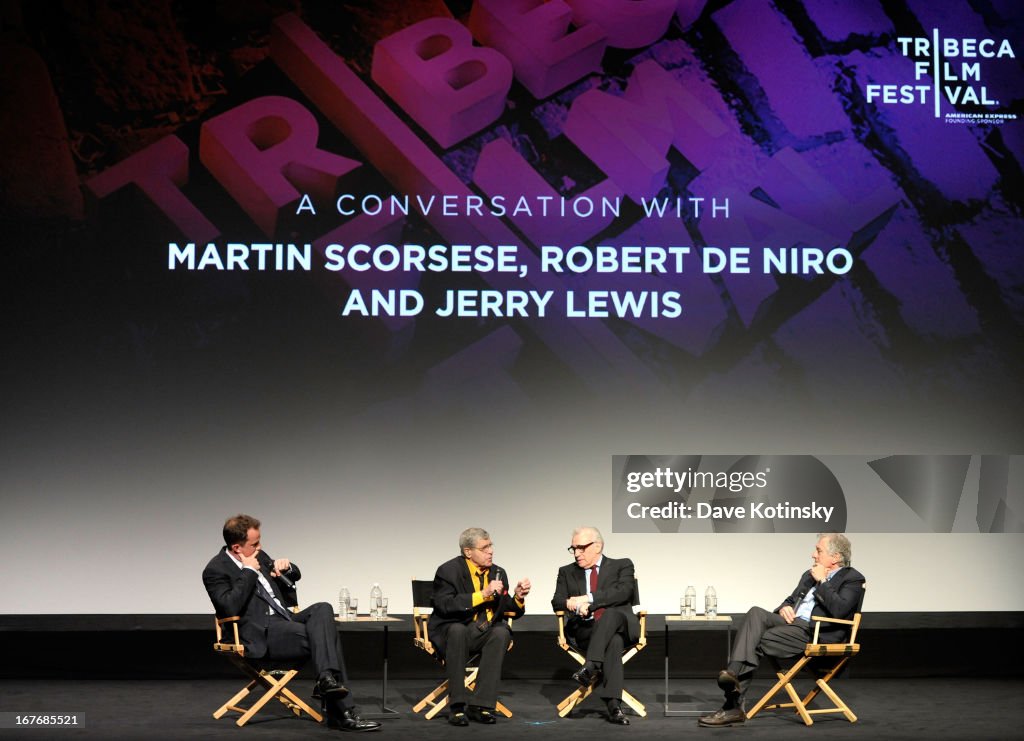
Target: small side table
[
  {"x": 675, "y": 623},
  {"x": 365, "y": 623}
]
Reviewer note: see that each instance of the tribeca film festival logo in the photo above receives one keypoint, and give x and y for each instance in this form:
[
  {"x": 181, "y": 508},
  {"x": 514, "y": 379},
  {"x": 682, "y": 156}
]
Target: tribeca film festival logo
[{"x": 951, "y": 70}]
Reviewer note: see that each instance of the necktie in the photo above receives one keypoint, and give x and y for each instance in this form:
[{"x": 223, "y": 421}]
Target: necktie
[
  {"x": 593, "y": 588},
  {"x": 269, "y": 599},
  {"x": 482, "y": 576}
]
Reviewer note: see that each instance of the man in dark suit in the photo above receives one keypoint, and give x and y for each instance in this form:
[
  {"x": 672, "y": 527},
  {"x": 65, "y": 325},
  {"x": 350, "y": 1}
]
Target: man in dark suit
[
  {"x": 830, "y": 588},
  {"x": 598, "y": 592},
  {"x": 242, "y": 580},
  {"x": 470, "y": 600}
]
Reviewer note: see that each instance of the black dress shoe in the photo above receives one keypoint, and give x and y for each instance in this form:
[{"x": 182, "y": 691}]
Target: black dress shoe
[
  {"x": 728, "y": 681},
  {"x": 586, "y": 677},
  {"x": 347, "y": 720},
  {"x": 458, "y": 718},
  {"x": 478, "y": 714},
  {"x": 327, "y": 687},
  {"x": 723, "y": 718},
  {"x": 618, "y": 717}
]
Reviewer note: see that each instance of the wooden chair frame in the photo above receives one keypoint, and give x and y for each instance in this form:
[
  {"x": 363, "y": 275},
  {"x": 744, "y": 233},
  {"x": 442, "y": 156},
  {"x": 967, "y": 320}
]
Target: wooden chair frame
[
  {"x": 274, "y": 681},
  {"x": 438, "y": 697},
  {"x": 842, "y": 652},
  {"x": 582, "y": 693}
]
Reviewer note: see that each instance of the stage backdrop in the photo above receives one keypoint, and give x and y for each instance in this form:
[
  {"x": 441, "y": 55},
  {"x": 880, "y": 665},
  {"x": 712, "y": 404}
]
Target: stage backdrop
[{"x": 375, "y": 272}]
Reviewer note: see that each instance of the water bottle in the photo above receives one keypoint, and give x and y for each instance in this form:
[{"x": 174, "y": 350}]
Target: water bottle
[
  {"x": 710, "y": 603},
  {"x": 343, "y": 598},
  {"x": 375, "y": 595},
  {"x": 690, "y": 602}
]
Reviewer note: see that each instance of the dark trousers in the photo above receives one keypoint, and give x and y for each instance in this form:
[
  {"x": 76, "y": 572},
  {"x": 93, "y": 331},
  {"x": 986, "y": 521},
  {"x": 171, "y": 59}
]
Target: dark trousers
[
  {"x": 765, "y": 633},
  {"x": 311, "y": 633},
  {"x": 604, "y": 641},
  {"x": 461, "y": 643}
]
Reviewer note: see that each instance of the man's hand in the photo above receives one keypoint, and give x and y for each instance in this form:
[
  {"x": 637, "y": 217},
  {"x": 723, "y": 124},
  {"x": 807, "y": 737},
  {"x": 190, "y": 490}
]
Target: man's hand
[
  {"x": 584, "y": 609},
  {"x": 496, "y": 586},
  {"x": 280, "y": 564},
  {"x": 818, "y": 572},
  {"x": 522, "y": 589},
  {"x": 251, "y": 561},
  {"x": 788, "y": 614},
  {"x": 577, "y": 603}
]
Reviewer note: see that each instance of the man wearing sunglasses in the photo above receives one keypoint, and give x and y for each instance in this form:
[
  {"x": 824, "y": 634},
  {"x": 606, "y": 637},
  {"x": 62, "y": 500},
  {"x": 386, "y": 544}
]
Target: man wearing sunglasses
[
  {"x": 471, "y": 599},
  {"x": 597, "y": 593}
]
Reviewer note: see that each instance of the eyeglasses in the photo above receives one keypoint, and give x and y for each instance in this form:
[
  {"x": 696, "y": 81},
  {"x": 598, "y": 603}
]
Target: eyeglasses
[
  {"x": 489, "y": 548},
  {"x": 574, "y": 549}
]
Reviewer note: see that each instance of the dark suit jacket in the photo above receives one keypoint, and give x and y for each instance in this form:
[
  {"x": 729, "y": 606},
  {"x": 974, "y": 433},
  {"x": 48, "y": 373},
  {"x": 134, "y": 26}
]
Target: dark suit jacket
[
  {"x": 453, "y": 600},
  {"x": 615, "y": 579},
  {"x": 233, "y": 592},
  {"x": 839, "y": 597}
]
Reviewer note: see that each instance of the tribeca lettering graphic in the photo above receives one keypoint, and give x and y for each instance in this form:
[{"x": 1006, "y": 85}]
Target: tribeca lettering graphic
[{"x": 944, "y": 68}]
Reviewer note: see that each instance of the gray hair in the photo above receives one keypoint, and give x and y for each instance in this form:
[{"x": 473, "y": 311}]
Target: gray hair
[
  {"x": 838, "y": 544},
  {"x": 598, "y": 538},
  {"x": 468, "y": 538}
]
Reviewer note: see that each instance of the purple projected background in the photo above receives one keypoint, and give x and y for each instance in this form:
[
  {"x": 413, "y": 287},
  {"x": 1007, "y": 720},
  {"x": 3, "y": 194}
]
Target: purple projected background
[{"x": 144, "y": 394}]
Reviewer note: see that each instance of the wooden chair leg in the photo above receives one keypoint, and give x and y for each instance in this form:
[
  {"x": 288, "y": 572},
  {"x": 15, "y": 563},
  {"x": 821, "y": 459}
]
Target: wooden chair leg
[
  {"x": 815, "y": 690},
  {"x": 811, "y": 694},
  {"x": 443, "y": 703},
  {"x": 784, "y": 680},
  {"x": 841, "y": 706},
  {"x": 297, "y": 705},
  {"x": 438, "y": 707},
  {"x": 566, "y": 706},
  {"x": 431, "y": 698},
  {"x": 471, "y": 676},
  {"x": 767, "y": 695},
  {"x": 275, "y": 689},
  {"x": 801, "y": 705},
  {"x": 272, "y": 686},
  {"x": 636, "y": 705},
  {"x": 470, "y": 680},
  {"x": 798, "y": 705},
  {"x": 232, "y": 704}
]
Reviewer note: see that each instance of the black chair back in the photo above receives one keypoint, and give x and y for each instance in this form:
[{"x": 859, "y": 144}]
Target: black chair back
[{"x": 422, "y": 593}]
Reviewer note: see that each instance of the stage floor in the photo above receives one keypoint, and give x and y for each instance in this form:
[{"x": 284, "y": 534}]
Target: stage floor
[{"x": 179, "y": 709}]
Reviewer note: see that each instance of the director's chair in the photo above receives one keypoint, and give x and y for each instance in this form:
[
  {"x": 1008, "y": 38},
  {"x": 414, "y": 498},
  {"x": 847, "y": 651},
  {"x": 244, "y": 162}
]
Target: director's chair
[
  {"x": 582, "y": 693},
  {"x": 825, "y": 660},
  {"x": 274, "y": 681},
  {"x": 437, "y": 699}
]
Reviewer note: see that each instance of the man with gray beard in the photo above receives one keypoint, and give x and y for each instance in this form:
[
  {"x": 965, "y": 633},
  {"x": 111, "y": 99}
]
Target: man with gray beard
[{"x": 830, "y": 588}]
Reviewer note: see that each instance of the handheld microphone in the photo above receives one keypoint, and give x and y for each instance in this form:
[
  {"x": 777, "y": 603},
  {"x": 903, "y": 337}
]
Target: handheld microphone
[
  {"x": 269, "y": 563},
  {"x": 284, "y": 579},
  {"x": 503, "y": 578},
  {"x": 803, "y": 588}
]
